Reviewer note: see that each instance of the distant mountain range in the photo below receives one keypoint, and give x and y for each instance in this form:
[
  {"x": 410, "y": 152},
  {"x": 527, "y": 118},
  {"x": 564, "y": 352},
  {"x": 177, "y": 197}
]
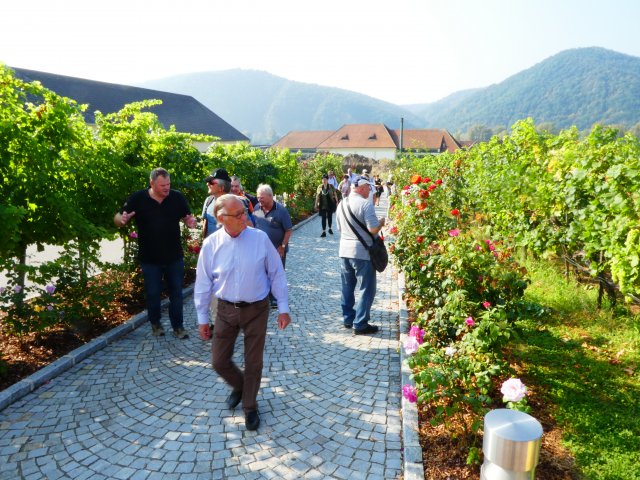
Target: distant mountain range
[
  {"x": 575, "y": 87},
  {"x": 265, "y": 107}
]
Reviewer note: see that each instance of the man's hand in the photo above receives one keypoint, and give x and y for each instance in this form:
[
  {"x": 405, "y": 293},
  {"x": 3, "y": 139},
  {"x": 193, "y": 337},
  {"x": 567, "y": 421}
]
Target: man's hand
[
  {"x": 190, "y": 221},
  {"x": 284, "y": 319},
  {"x": 204, "y": 331},
  {"x": 125, "y": 217}
]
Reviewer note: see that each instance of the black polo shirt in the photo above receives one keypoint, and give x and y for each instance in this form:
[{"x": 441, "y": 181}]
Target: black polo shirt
[{"x": 158, "y": 225}]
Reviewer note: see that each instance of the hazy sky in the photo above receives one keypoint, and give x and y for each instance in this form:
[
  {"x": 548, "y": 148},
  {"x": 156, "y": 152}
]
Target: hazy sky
[{"x": 402, "y": 51}]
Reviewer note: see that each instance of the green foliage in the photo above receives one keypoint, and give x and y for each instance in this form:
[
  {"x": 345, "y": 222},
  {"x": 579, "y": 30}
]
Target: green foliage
[
  {"x": 562, "y": 195},
  {"x": 42, "y": 145},
  {"x": 311, "y": 172},
  {"x": 132, "y": 142},
  {"x": 61, "y": 182}
]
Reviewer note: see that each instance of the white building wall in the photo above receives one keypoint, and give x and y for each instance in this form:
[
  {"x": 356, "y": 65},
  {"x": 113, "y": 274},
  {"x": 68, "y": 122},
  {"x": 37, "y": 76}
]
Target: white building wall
[{"x": 374, "y": 153}]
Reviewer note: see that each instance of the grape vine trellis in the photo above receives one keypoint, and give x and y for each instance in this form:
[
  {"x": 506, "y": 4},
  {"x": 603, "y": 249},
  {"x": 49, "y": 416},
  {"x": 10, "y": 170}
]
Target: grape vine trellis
[{"x": 573, "y": 197}]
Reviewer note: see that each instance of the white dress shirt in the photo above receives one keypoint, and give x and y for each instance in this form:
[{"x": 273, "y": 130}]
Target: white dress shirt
[{"x": 240, "y": 269}]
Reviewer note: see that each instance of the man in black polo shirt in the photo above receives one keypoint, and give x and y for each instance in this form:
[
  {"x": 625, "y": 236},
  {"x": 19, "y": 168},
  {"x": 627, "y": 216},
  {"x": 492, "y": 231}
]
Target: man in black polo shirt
[{"x": 158, "y": 211}]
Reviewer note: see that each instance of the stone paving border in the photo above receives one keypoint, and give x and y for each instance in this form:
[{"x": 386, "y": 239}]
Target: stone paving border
[{"x": 413, "y": 468}]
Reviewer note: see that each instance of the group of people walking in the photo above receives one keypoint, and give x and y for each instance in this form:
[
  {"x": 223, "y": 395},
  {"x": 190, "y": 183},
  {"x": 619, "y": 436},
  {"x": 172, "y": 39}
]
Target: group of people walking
[{"x": 240, "y": 273}]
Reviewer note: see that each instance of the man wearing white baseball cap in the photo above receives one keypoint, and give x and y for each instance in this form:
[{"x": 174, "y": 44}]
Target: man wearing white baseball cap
[{"x": 355, "y": 261}]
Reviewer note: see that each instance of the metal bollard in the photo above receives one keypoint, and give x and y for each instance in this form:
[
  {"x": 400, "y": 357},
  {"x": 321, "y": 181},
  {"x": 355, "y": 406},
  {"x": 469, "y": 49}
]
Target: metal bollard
[{"x": 511, "y": 445}]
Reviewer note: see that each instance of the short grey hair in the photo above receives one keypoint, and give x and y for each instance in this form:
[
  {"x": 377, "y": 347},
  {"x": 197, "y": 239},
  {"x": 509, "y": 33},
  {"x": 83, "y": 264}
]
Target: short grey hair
[
  {"x": 225, "y": 184},
  {"x": 264, "y": 188},
  {"x": 158, "y": 172},
  {"x": 223, "y": 200},
  {"x": 235, "y": 178}
]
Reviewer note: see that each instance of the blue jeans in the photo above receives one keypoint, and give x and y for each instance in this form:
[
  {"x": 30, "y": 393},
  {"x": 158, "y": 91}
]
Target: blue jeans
[
  {"x": 353, "y": 270},
  {"x": 173, "y": 274}
]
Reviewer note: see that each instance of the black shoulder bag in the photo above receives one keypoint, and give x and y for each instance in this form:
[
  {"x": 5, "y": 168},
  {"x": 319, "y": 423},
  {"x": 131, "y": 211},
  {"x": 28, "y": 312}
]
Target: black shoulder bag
[{"x": 377, "y": 249}]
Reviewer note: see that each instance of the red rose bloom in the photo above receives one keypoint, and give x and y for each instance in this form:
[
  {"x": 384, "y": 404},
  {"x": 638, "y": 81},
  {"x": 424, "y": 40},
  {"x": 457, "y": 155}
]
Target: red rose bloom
[
  {"x": 415, "y": 179},
  {"x": 455, "y": 212}
]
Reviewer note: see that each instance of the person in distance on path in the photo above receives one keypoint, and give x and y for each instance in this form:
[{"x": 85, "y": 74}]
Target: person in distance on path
[
  {"x": 355, "y": 262},
  {"x": 239, "y": 266},
  {"x": 157, "y": 211},
  {"x": 326, "y": 202}
]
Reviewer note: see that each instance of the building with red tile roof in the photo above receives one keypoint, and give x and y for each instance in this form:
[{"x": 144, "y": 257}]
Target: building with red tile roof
[{"x": 371, "y": 140}]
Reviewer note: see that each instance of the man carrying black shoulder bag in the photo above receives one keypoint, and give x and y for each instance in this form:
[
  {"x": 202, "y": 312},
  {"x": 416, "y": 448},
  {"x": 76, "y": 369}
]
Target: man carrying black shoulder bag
[{"x": 361, "y": 252}]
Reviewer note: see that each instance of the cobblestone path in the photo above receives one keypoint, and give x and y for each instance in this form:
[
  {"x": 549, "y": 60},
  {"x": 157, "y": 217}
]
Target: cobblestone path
[{"x": 152, "y": 408}]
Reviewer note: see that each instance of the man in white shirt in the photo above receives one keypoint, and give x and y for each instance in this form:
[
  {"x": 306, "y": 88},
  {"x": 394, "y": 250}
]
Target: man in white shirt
[
  {"x": 239, "y": 266},
  {"x": 355, "y": 261}
]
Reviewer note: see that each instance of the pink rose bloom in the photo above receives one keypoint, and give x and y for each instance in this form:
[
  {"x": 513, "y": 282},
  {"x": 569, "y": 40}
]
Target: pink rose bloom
[
  {"x": 411, "y": 346},
  {"x": 513, "y": 390},
  {"x": 133, "y": 235},
  {"x": 454, "y": 233},
  {"x": 417, "y": 332},
  {"x": 410, "y": 393},
  {"x": 486, "y": 304},
  {"x": 469, "y": 321}
]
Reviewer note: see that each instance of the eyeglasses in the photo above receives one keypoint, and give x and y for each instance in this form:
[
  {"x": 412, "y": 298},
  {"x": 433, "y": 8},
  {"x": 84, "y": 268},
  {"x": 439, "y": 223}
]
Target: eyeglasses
[{"x": 238, "y": 215}]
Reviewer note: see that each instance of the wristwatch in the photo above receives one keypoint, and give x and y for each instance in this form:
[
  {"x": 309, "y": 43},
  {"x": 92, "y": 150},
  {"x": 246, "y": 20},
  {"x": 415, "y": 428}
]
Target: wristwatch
[{"x": 283, "y": 246}]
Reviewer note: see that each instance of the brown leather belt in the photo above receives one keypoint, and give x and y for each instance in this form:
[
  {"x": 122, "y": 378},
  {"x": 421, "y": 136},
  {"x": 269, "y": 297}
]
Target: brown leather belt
[{"x": 241, "y": 304}]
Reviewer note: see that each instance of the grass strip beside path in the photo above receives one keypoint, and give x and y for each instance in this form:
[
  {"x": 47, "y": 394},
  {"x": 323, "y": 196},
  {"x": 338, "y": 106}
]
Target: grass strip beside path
[{"x": 585, "y": 362}]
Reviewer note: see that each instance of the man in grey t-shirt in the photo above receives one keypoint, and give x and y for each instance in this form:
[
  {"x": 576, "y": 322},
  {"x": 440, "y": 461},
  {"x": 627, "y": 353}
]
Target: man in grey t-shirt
[
  {"x": 355, "y": 262},
  {"x": 273, "y": 218}
]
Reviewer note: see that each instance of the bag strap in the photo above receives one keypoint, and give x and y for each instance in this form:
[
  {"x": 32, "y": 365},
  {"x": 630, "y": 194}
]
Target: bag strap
[
  {"x": 354, "y": 228},
  {"x": 360, "y": 224}
]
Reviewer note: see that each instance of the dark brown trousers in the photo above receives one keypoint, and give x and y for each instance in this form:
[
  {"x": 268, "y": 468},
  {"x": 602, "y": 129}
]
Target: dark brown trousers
[{"x": 252, "y": 320}]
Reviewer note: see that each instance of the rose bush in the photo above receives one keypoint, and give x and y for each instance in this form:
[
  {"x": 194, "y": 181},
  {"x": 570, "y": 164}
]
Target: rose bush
[{"x": 465, "y": 291}]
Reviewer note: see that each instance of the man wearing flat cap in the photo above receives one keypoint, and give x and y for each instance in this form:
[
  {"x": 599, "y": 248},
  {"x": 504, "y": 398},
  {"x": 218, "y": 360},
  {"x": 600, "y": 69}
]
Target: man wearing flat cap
[{"x": 218, "y": 183}]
